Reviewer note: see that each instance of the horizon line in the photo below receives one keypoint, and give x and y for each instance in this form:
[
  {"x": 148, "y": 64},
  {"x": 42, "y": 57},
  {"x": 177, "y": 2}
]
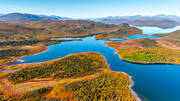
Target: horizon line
[{"x": 91, "y": 17}]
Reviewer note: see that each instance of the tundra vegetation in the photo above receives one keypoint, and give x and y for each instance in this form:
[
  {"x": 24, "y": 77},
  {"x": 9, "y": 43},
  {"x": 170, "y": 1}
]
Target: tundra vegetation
[
  {"x": 42, "y": 30},
  {"x": 11, "y": 50},
  {"x": 146, "y": 50},
  {"x": 124, "y": 30},
  {"x": 30, "y": 42},
  {"x": 82, "y": 76},
  {"x": 15, "y": 36}
]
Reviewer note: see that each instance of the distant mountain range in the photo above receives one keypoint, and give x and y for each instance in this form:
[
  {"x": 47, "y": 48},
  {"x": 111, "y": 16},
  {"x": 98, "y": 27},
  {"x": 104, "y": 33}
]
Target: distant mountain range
[
  {"x": 140, "y": 17},
  {"x": 162, "y": 21},
  {"x": 24, "y": 16}
]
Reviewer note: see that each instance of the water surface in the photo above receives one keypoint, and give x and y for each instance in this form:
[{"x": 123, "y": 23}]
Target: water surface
[
  {"x": 155, "y": 30},
  {"x": 142, "y": 36},
  {"x": 152, "y": 82}
]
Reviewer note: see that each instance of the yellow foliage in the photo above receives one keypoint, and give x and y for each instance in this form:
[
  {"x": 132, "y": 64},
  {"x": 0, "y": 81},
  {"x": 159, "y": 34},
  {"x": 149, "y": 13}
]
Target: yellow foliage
[{"x": 4, "y": 75}]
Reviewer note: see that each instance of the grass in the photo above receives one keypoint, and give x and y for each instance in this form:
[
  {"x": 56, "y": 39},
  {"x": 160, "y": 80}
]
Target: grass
[
  {"x": 146, "y": 43},
  {"x": 151, "y": 55}
]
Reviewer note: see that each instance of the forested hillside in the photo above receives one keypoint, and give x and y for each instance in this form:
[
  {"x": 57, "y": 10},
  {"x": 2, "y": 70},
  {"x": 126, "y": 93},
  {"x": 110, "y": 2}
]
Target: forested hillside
[{"x": 78, "y": 77}]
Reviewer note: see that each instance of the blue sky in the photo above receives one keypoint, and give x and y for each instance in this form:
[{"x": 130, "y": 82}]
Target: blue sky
[{"x": 91, "y": 8}]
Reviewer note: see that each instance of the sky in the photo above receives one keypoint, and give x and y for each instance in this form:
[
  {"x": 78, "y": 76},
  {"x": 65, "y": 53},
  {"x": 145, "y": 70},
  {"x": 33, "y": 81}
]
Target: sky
[{"x": 91, "y": 8}]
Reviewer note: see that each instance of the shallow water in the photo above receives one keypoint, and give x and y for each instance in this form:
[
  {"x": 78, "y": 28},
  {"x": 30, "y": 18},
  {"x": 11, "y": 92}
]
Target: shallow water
[{"x": 153, "y": 82}]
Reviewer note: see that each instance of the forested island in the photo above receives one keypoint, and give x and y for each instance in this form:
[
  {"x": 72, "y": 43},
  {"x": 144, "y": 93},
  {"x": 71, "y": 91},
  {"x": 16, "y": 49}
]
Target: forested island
[{"x": 82, "y": 76}]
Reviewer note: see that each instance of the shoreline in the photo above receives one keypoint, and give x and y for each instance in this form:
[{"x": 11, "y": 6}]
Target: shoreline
[
  {"x": 131, "y": 82},
  {"x": 19, "y": 59},
  {"x": 141, "y": 63},
  {"x": 49, "y": 60},
  {"x": 137, "y": 98},
  {"x": 132, "y": 91}
]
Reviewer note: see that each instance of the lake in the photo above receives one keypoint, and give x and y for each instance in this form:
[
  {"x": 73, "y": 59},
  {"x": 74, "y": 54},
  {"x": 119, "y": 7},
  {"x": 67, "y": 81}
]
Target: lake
[
  {"x": 159, "y": 82},
  {"x": 155, "y": 30}
]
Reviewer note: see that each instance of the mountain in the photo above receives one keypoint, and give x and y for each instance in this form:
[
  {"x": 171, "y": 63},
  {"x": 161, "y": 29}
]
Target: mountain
[
  {"x": 140, "y": 17},
  {"x": 32, "y": 17},
  {"x": 155, "y": 23},
  {"x": 162, "y": 21}
]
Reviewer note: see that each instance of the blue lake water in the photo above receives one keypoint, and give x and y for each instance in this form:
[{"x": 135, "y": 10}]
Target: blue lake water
[
  {"x": 152, "y": 82},
  {"x": 136, "y": 37},
  {"x": 142, "y": 36},
  {"x": 155, "y": 30}
]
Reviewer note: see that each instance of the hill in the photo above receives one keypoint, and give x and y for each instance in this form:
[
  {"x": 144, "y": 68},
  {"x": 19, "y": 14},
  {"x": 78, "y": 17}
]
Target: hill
[{"x": 31, "y": 30}]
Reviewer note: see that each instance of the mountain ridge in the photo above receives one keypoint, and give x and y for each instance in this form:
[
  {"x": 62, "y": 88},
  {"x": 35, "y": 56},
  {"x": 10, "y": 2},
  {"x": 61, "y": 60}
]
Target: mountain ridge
[
  {"x": 33, "y": 17},
  {"x": 161, "y": 21}
]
